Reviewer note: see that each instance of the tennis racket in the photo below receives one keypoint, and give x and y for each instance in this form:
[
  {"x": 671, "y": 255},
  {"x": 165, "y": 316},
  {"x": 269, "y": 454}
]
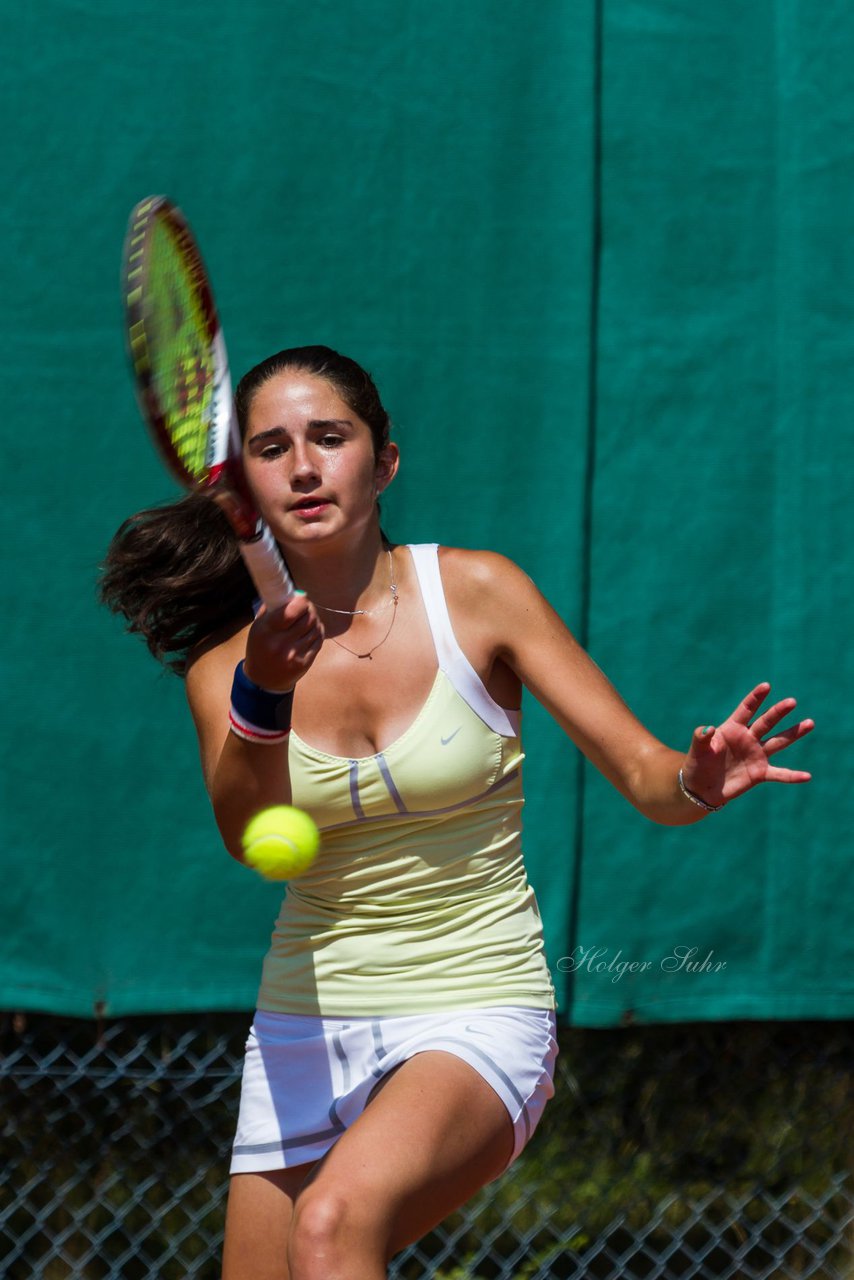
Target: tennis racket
[{"x": 183, "y": 386}]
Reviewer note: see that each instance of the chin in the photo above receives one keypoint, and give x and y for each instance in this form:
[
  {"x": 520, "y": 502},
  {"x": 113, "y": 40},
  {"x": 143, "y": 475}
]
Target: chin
[{"x": 307, "y": 533}]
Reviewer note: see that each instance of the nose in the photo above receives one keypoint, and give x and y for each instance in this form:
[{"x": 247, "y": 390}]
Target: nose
[{"x": 304, "y": 468}]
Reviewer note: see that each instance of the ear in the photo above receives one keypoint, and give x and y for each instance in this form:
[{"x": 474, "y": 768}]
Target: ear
[{"x": 387, "y": 464}]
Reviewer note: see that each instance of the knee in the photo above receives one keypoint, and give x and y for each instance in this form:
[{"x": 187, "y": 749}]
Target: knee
[{"x": 326, "y": 1231}]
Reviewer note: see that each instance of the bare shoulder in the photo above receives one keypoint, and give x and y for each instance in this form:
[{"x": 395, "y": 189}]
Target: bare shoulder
[
  {"x": 491, "y": 584},
  {"x": 481, "y": 574},
  {"x": 214, "y": 659},
  {"x": 503, "y": 603},
  {"x": 496, "y": 607},
  {"x": 512, "y": 621}
]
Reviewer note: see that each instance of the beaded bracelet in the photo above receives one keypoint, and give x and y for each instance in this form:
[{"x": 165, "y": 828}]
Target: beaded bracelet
[
  {"x": 256, "y": 714},
  {"x": 709, "y": 808}
]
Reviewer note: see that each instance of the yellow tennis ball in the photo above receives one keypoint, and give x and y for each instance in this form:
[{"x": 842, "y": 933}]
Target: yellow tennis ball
[{"x": 280, "y": 842}]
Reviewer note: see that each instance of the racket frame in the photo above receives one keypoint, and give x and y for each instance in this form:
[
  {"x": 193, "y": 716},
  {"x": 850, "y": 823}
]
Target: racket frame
[{"x": 222, "y": 477}]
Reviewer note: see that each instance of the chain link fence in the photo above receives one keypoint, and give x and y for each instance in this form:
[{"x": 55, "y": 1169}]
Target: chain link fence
[{"x": 703, "y": 1150}]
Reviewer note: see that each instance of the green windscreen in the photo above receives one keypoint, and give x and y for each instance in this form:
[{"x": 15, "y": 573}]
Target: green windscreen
[{"x": 597, "y": 259}]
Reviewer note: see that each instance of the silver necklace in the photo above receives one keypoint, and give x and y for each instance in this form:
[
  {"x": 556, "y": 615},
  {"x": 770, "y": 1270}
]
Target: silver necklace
[
  {"x": 361, "y": 613},
  {"x": 356, "y": 612}
]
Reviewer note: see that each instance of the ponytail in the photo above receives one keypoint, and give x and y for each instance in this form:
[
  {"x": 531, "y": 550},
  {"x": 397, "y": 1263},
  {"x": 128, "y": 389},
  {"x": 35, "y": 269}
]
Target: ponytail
[{"x": 176, "y": 575}]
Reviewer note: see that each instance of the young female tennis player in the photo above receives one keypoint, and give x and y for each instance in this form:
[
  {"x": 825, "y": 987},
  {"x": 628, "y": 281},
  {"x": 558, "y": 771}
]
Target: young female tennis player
[{"x": 403, "y": 1048}]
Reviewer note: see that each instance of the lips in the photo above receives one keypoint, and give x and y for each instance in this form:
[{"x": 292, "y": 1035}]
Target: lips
[{"x": 309, "y": 506}]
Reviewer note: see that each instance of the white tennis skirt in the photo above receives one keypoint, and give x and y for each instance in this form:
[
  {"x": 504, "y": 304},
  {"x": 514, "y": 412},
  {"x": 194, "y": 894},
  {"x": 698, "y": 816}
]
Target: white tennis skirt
[{"x": 306, "y": 1079}]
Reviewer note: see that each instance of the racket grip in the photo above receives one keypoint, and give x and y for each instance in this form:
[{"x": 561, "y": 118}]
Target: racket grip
[{"x": 267, "y": 568}]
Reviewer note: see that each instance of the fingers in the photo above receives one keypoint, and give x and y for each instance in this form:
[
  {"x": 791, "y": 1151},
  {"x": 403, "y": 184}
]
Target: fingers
[
  {"x": 775, "y": 774},
  {"x": 303, "y": 652},
  {"x": 785, "y": 739},
  {"x": 770, "y": 718},
  {"x": 764, "y": 723},
  {"x": 303, "y": 632},
  {"x": 294, "y": 620},
  {"x": 282, "y": 619},
  {"x": 283, "y": 644},
  {"x": 747, "y": 708}
]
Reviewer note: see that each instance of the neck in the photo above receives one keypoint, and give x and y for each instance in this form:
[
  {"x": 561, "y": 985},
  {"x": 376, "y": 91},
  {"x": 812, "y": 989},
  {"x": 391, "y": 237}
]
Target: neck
[{"x": 348, "y": 578}]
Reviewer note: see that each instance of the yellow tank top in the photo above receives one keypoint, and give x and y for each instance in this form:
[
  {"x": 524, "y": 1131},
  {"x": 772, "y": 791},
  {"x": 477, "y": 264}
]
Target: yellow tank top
[{"x": 418, "y": 899}]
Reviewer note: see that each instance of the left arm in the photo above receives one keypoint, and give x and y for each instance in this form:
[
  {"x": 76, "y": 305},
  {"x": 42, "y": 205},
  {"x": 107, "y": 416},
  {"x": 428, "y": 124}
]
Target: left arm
[{"x": 723, "y": 762}]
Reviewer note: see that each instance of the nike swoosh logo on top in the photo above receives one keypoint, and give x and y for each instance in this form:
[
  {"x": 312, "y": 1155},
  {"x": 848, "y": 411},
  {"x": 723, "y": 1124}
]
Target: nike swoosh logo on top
[{"x": 445, "y": 741}]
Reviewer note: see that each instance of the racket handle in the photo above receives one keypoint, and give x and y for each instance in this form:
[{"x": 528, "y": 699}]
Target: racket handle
[{"x": 267, "y": 568}]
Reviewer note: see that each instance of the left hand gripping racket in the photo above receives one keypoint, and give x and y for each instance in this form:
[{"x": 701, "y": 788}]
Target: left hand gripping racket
[{"x": 183, "y": 386}]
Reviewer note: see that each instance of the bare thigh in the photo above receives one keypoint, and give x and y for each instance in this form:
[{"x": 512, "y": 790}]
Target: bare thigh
[
  {"x": 432, "y": 1135},
  {"x": 258, "y": 1221}
]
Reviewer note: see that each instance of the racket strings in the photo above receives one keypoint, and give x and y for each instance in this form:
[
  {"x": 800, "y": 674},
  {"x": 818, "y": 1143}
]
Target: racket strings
[{"x": 178, "y": 351}]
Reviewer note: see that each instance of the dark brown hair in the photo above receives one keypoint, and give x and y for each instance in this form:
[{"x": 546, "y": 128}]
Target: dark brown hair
[
  {"x": 354, "y": 386},
  {"x": 174, "y": 572}
]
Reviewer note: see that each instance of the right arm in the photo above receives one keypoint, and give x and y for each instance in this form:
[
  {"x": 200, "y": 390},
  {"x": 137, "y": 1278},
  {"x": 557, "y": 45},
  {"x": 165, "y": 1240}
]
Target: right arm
[{"x": 244, "y": 777}]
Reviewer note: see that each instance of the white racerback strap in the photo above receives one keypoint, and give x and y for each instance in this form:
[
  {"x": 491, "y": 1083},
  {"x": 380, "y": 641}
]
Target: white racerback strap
[{"x": 452, "y": 661}]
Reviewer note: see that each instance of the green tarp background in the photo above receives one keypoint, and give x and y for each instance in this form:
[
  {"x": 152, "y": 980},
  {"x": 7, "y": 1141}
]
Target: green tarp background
[{"x": 598, "y": 259}]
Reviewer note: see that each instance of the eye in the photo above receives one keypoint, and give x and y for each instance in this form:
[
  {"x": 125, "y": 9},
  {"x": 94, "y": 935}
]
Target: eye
[
  {"x": 331, "y": 441},
  {"x": 272, "y": 450}
]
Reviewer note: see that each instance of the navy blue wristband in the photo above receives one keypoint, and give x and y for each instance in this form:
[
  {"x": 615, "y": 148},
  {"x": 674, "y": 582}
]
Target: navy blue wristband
[{"x": 256, "y": 714}]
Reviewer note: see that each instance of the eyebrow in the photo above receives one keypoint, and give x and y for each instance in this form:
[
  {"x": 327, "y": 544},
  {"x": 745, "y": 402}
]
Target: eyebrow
[{"x": 313, "y": 424}]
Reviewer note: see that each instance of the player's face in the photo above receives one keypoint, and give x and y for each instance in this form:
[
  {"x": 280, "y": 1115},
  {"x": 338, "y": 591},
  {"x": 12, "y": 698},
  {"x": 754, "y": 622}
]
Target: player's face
[{"x": 310, "y": 460}]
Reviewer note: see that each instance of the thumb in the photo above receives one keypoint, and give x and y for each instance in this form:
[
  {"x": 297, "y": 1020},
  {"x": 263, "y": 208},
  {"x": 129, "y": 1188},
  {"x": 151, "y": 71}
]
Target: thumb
[
  {"x": 288, "y": 613},
  {"x": 701, "y": 740}
]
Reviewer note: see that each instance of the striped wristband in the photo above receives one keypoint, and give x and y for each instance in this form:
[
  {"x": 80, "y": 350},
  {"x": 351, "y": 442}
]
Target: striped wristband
[{"x": 256, "y": 714}]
